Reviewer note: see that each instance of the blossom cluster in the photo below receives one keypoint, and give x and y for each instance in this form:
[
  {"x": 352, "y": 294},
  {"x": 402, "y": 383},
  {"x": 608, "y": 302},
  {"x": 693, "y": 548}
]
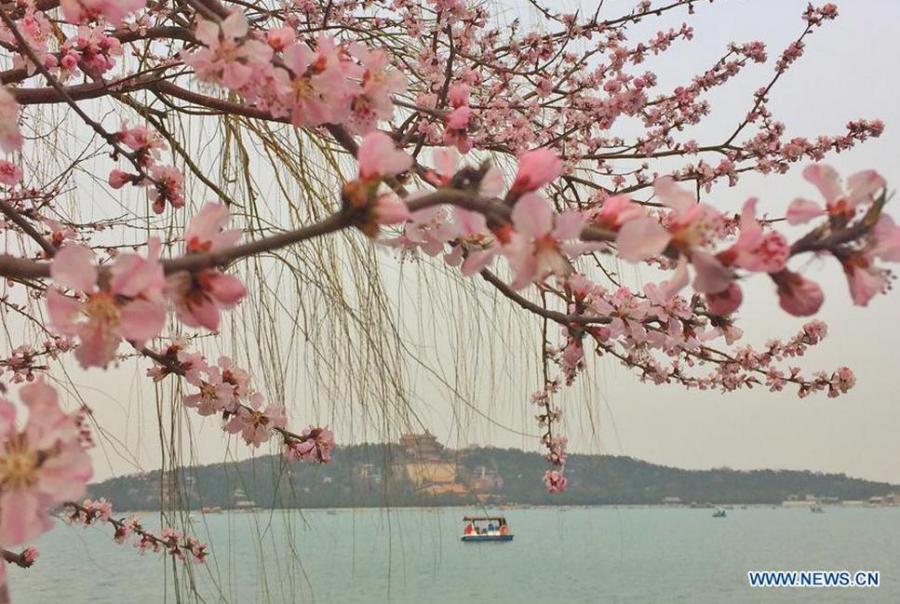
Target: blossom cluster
[
  {"x": 169, "y": 540},
  {"x": 328, "y": 82},
  {"x": 223, "y": 389},
  {"x": 129, "y": 299}
]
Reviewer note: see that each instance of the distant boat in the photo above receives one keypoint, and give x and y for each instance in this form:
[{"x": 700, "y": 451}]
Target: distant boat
[
  {"x": 720, "y": 513},
  {"x": 816, "y": 509},
  {"x": 497, "y": 529}
]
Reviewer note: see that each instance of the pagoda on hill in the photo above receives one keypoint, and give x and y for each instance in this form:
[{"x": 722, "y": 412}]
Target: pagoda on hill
[{"x": 421, "y": 447}]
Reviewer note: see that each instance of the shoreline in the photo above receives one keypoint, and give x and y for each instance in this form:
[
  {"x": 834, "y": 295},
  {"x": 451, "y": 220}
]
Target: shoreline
[{"x": 561, "y": 507}]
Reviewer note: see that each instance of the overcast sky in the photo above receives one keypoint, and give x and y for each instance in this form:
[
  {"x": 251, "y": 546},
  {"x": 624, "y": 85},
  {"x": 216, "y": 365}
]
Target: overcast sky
[{"x": 849, "y": 72}]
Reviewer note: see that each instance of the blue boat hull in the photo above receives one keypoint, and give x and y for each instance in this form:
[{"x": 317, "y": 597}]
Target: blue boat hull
[{"x": 474, "y": 538}]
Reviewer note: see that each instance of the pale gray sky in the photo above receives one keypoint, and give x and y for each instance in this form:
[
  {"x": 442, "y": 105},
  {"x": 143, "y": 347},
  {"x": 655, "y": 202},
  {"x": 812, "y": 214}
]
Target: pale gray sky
[{"x": 849, "y": 72}]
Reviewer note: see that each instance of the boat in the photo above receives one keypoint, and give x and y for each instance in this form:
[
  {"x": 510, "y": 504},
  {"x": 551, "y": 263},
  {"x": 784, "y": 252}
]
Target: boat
[
  {"x": 816, "y": 509},
  {"x": 720, "y": 513},
  {"x": 497, "y": 529}
]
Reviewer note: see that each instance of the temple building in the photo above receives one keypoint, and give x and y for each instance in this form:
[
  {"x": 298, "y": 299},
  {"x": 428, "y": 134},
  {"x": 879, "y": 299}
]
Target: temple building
[
  {"x": 422, "y": 462},
  {"x": 421, "y": 447}
]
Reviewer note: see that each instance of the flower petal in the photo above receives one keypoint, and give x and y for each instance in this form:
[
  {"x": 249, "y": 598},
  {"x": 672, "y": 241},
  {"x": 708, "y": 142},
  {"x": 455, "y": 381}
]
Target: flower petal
[
  {"x": 642, "y": 238},
  {"x": 712, "y": 277},
  {"x": 532, "y": 216},
  {"x": 72, "y": 267},
  {"x": 826, "y": 179},
  {"x": 801, "y": 211}
]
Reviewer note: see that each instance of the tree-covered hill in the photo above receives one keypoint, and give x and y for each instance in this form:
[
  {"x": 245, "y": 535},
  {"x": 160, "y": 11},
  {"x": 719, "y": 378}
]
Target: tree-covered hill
[{"x": 372, "y": 475}]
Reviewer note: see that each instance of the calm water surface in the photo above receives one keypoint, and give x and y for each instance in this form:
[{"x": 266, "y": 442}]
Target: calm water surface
[{"x": 414, "y": 556}]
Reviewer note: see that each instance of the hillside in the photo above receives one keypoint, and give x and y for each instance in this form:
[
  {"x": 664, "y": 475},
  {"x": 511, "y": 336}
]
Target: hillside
[{"x": 375, "y": 475}]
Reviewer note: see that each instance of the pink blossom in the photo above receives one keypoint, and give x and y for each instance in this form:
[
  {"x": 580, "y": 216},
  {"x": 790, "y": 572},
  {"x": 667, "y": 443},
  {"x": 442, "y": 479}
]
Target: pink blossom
[
  {"x": 118, "y": 179},
  {"x": 316, "y": 90},
  {"x": 141, "y": 139},
  {"x": 124, "y": 530},
  {"x": 555, "y": 481},
  {"x": 30, "y": 555},
  {"x": 688, "y": 226},
  {"x": 692, "y": 224},
  {"x": 130, "y": 306},
  {"x": 378, "y": 157},
  {"x": 200, "y": 296},
  {"x": 10, "y": 137},
  {"x": 865, "y": 279},
  {"x": 641, "y": 238},
  {"x": 458, "y": 94},
  {"x": 113, "y": 11},
  {"x": 798, "y": 295},
  {"x": 754, "y": 249},
  {"x": 886, "y": 236},
  {"x": 40, "y": 467},
  {"x": 536, "y": 168},
  {"x": 801, "y": 211},
  {"x": 230, "y": 57},
  {"x": 10, "y": 173},
  {"x": 663, "y": 293},
  {"x": 206, "y": 231},
  {"x": 380, "y": 83},
  {"x": 389, "y": 209},
  {"x": 475, "y": 245},
  {"x": 234, "y": 375},
  {"x": 616, "y": 211},
  {"x": 446, "y": 160},
  {"x": 537, "y": 248},
  {"x": 92, "y": 511},
  {"x": 279, "y": 39},
  {"x": 168, "y": 186},
  {"x": 316, "y": 445},
  {"x": 214, "y": 396},
  {"x": 712, "y": 276},
  {"x": 255, "y": 424},
  {"x": 725, "y": 302},
  {"x": 841, "y": 203},
  {"x": 457, "y": 129}
]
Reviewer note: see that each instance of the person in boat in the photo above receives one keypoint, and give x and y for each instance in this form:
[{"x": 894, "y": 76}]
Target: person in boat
[
  {"x": 469, "y": 528},
  {"x": 491, "y": 528},
  {"x": 504, "y": 529}
]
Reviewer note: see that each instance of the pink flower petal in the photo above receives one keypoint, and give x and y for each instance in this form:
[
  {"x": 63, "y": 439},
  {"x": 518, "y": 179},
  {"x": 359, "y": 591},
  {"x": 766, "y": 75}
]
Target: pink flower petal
[
  {"x": 679, "y": 199},
  {"x": 63, "y": 311},
  {"x": 378, "y": 157},
  {"x": 536, "y": 168},
  {"x": 826, "y": 179},
  {"x": 72, "y": 267},
  {"x": 801, "y": 211},
  {"x": 798, "y": 295},
  {"x": 98, "y": 344},
  {"x": 201, "y": 313},
  {"x": 142, "y": 320},
  {"x": 642, "y": 238},
  {"x": 863, "y": 185},
  {"x": 712, "y": 277},
  {"x": 532, "y": 216},
  {"x": 725, "y": 302},
  {"x": 569, "y": 225},
  {"x": 226, "y": 289}
]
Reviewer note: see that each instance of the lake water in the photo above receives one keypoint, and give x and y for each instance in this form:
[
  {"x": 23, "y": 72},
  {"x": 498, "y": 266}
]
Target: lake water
[{"x": 605, "y": 554}]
